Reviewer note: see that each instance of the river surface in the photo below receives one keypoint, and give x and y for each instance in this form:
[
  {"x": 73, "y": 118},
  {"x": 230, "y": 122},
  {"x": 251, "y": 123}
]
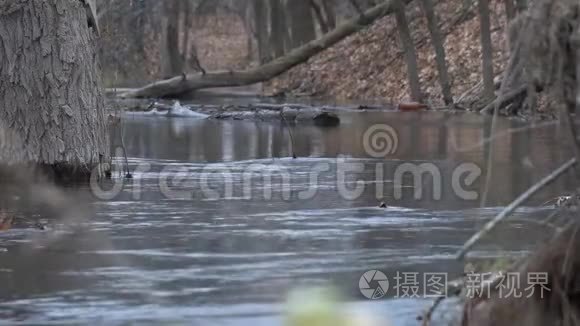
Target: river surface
[{"x": 219, "y": 223}]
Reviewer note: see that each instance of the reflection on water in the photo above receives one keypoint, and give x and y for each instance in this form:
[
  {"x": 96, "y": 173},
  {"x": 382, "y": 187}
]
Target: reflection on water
[{"x": 230, "y": 258}]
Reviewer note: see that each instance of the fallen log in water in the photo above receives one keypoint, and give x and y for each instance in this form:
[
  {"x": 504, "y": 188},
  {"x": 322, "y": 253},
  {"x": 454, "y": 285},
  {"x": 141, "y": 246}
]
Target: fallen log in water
[
  {"x": 290, "y": 113},
  {"x": 317, "y": 116}
]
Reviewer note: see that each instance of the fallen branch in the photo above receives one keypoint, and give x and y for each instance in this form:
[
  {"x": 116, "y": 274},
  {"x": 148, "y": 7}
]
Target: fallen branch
[
  {"x": 182, "y": 84},
  {"x": 454, "y": 289},
  {"x": 505, "y": 98},
  {"x": 513, "y": 206},
  {"x": 429, "y": 313}
]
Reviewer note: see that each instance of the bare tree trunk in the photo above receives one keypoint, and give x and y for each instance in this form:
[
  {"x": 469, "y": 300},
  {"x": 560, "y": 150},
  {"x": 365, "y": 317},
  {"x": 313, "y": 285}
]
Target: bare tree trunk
[
  {"x": 261, "y": 16},
  {"x": 437, "y": 41},
  {"x": 171, "y": 56},
  {"x": 324, "y": 28},
  {"x": 521, "y": 5},
  {"x": 301, "y": 22},
  {"x": 50, "y": 91},
  {"x": 187, "y": 12},
  {"x": 328, "y": 7},
  {"x": 357, "y": 7},
  {"x": 178, "y": 85},
  {"x": 510, "y": 9},
  {"x": 486, "y": 49},
  {"x": 279, "y": 32},
  {"x": 409, "y": 48}
]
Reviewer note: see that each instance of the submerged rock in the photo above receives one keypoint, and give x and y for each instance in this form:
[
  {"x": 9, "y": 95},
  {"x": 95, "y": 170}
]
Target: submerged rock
[{"x": 326, "y": 119}]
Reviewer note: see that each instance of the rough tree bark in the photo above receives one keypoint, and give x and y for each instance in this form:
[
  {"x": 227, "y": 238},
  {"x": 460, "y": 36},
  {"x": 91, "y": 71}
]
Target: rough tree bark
[
  {"x": 437, "y": 41},
  {"x": 486, "y": 49},
  {"x": 409, "y": 49},
  {"x": 179, "y": 85},
  {"x": 52, "y": 111}
]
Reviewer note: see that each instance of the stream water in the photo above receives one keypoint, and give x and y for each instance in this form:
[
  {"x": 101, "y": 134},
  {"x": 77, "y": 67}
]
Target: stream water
[{"x": 219, "y": 223}]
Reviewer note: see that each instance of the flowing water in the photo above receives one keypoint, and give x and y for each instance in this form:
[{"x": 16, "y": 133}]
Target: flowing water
[{"x": 219, "y": 223}]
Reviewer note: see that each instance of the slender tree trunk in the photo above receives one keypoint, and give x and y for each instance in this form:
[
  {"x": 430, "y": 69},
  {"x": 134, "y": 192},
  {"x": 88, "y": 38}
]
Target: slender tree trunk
[
  {"x": 187, "y": 12},
  {"x": 409, "y": 48},
  {"x": 172, "y": 58},
  {"x": 279, "y": 32},
  {"x": 301, "y": 22},
  {"x": 521, "y": 5},
  {"x": 285, "y": 26},
  {"x": 328, "y": 7},
  {"x": 437, "y": 41},
  {"x": 139, "y": 24},
  {"x": 52, "y": 111},
  {"x": 486, "y": 49},
  {"x": 510, "y": 9},
  {"x": 324, "y": 28},
  {"x": 261, "y": 16}
]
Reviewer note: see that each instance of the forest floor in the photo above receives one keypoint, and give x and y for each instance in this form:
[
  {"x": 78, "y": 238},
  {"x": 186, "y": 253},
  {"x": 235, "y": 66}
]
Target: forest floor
[{"x": 370, "y": 65}]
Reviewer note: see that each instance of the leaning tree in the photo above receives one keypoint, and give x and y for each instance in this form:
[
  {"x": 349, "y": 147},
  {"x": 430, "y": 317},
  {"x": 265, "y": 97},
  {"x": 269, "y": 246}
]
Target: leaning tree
[{"x": 51, "y": 101}]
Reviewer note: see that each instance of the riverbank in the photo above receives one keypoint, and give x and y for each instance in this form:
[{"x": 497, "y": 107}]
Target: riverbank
[
  {"x": 252, "y": 107},
  {"x": 370, "y": 64}
]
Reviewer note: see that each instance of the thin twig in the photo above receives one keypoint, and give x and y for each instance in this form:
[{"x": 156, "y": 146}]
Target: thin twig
[
  {"x": 489, "y": 163},
  {"x": 429, "y": 313},
  {"x": 513, "y": 206},
  {"x": 289, "y": 132},
  {"x": 127, "y": 171}
]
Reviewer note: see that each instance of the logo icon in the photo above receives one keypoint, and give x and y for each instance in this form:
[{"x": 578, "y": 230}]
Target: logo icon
[
  {"x": 373, "y": 284},
  {"x": 380, "y": 140}
]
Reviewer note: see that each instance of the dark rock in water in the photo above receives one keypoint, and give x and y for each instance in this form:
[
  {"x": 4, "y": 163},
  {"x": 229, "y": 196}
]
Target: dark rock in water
[
  {"x": 383, "y": 205},
  {"x": 326, "y": 119}
]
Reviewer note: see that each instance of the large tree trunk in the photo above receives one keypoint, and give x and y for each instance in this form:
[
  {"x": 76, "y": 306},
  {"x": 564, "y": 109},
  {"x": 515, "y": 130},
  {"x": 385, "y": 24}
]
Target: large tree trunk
[
  {"x": 437, "y": 41},
  {"x": 410, "y": 54},
  {"x": 178, "y": 85},
  {"x": 51, "y": 100}
]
